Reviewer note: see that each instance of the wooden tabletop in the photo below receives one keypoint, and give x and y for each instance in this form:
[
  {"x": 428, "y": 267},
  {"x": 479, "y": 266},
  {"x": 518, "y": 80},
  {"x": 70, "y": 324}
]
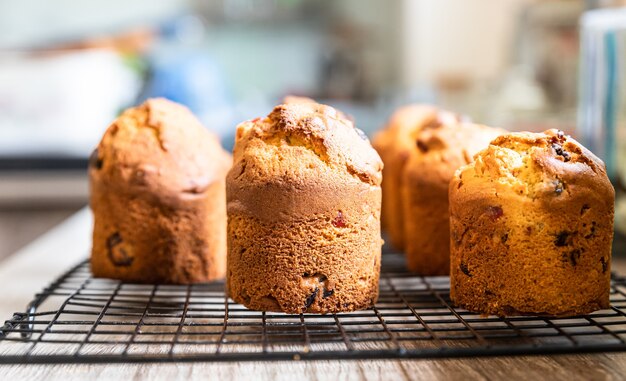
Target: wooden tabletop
[{"x": 29, "y": 270}]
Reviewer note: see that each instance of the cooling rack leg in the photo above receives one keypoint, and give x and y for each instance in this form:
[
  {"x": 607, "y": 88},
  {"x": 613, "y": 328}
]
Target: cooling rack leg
[
  {"x": 9, "y": 325},
  {"x": 27, "y": 326}
]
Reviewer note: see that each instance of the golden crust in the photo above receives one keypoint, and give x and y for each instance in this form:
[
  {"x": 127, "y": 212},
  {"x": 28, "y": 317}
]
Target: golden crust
[
  {"x": 531, "y": 223},
  {"x": 394, "y": 144},
  {"x": 157, "y": 182},
  {"x": 303, "y": 213},
  {"x": 439, "y": 151},
  {"x": 532, "y": 163},
  {"x": 161, "y": 147},
  {"x": 317, "y": 128}
]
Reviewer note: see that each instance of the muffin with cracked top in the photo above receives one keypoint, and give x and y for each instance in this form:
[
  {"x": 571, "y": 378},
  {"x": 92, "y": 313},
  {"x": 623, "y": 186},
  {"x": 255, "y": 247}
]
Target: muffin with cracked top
[
  {"x": 531, "y": 223},
  {"x": 303, "y": 200},
  {"x": 394, "y": 144},
  {"x": 440, "y": 148},
  {"x": 157, "y": 184}
]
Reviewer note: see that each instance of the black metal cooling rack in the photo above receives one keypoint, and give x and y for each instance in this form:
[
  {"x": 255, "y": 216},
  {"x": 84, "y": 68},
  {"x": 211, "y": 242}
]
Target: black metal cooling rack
[{"x": 81, "y": 319}]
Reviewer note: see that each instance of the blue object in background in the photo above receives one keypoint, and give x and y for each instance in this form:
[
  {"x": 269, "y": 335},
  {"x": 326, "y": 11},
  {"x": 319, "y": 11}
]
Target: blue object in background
[
  {"x": 190, "y": 78},
  {"x": 181, "y": 70},
  {"x": 610, "y": 107},
  {"x": 601, "y": 113}
]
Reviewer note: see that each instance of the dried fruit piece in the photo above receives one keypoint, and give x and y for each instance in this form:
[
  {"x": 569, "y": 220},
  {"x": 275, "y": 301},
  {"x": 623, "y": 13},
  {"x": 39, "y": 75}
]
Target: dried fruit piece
[
  {"x": 494, "y": 212},
  {"x": 558, "y": 149},
  {"x": 327, "y": 293},
  {"x": 117, "y": 254},
  {"x": 558, "y": 187},
  {"x": 464, "y": 269},
  {"x": 574, "y": 256},
  {"x": 504, "y": 237},
  {"x": 94, "y": 160},
  {"x": 563, "y": 239},
  {"x": 558, "y": 138},
  {"x": 584, "y": 209},
  {"x": 114, "y": 239},
  {"x": 605, "y": 265},
  {"x": 339, "y": 221},
  {"x": 421, "y": 145},
  {"x": 311, "y": 298}
]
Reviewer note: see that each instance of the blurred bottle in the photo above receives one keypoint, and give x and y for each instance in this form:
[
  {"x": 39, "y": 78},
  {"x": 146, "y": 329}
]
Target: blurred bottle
[
  {"x": 602, "y": 101},
  {"x": 182, "y": 70}
]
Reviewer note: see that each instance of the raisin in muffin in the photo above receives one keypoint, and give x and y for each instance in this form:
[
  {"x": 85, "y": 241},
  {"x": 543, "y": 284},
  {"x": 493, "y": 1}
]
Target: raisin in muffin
[
  {"x": 157, "y": 182},
  {"x": 394, "y": 144},
  {"x": 531, "y": 223},
  {"x": 439, "y": 150},
  {"x": 303, "y": 213}
]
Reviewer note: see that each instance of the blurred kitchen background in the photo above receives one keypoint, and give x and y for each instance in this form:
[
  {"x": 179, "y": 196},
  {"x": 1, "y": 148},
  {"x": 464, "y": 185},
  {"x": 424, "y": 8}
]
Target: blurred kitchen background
[{"x": 67, "y": 68}]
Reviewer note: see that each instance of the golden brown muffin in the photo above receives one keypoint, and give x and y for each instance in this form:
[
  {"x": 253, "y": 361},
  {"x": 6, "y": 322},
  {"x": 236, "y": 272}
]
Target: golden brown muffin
[
  {"x": 438, "y": 151},
  {"x": 394, "y": 144},
  {"x": 157, "y": 182},
  {"x": 531, "y": 228},
  {"x": 303, "y": 213}
]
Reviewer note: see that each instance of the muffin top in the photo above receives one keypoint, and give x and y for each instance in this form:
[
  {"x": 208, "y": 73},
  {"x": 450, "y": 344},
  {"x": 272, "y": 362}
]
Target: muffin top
[
  {"x": 444, "y": 146},
  {"x": 406, "y": 122},
  {"x": 161, "y": 148},
  {"x": 536, "y": 164},
  {"x": 298, "y": 141},
  {"x": 437, "y": 142}
]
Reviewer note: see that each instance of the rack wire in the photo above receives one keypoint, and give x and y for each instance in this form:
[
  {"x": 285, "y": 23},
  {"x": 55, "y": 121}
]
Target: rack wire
[{"x": 82, "y": 319}]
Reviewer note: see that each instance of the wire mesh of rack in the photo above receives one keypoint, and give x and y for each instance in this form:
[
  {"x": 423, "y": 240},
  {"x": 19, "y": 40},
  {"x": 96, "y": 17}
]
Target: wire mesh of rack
[{"x": 81, "y": 319}]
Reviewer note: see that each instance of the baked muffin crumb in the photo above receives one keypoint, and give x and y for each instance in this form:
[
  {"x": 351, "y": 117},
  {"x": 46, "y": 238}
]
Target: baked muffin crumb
[
  {"x": 303, "y": 213},
  {"x": 157, "y": 184},
  {"x": 440, "y": 150},
  {"x": 531, "y": 228}
]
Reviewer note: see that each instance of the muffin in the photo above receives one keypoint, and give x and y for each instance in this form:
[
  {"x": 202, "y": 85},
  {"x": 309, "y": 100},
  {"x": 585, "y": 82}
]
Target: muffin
[
  {"x": 438, "y": 151},
  {"x": 394, "y": 144},
  {"x": 531, "y": 223},
  {"x": 157, "y": 182},
  {"x": 303, "y": 200}
]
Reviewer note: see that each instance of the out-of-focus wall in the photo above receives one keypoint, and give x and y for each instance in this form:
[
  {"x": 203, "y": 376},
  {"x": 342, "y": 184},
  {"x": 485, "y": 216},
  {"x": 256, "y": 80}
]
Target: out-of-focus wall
[
  {"x": 382, "y": 41},
  {"x": 446, "y": 38},
  {"x": 35, "y": 23}
]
